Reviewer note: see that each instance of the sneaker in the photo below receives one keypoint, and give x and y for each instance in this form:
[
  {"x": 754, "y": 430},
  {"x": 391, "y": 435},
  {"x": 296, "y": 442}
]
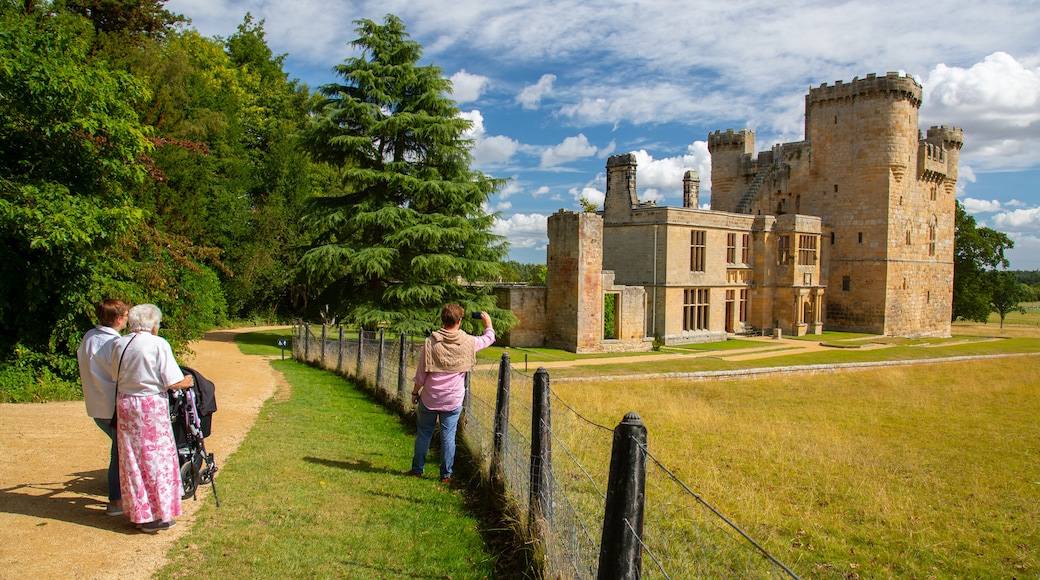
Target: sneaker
[
  {"x": 115, "y": 508},
  {"x": 411, "y": 473},
  {"x": 156, "y": 526}
]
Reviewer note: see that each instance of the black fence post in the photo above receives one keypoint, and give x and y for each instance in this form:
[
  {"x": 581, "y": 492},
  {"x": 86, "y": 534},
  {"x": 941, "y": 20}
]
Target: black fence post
[
  {"x": 402, "y": 373},
  {"x": 323, "y": 343},
  {"x": 540, "y": 508},
  {"x": 306, "y": 342},
  {"x": 621, "y": 548},
  {"x": 339, "y": 358},
  {"x": 501, "y": 432},
  {"x": 379, "y": 360},
  {"x": 360, "y": 349}
]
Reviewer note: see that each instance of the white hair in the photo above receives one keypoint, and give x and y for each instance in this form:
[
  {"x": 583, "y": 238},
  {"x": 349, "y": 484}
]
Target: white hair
[{"x": 144, "y": 317}]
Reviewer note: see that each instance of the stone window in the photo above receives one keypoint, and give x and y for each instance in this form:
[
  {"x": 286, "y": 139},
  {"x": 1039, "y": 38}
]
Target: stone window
[
  {"x": 931, "y": 239},
  {"x": 908, "y": 242},
  {"x": 832, "y": 238},
  {"x": 731, "y": 248},
  {"x": 697, "y": 250},
  {"x": 846, "y": 283},
  {"x": 783, "y": 250},
  {"x": 745, "y": 249},
  {"x": 743, "y": 305},
  {"x": 695, "y": 309},
  {"x": 611, "y": 316},
  {"x": 933, "y": 194},
  {"x": 861, "y": 237},
  {"x": 807, "y": 250}
]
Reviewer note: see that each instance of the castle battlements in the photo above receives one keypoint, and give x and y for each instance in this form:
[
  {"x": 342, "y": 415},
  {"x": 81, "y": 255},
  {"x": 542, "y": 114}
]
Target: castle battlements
[
  {"x": 730, "y": 140},
  {"x": 951, "y": 137},
  {"x": 894, "y": 83}
]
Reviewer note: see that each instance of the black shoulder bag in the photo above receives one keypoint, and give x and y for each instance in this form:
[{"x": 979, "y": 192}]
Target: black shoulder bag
[{"x": 115, "y": 412}]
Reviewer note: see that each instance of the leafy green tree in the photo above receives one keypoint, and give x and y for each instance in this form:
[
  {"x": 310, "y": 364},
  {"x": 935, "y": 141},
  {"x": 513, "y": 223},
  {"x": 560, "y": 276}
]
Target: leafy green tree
[
  {"x": 409, "y": 231},
  {"x": 977, "y": 251},
  {"x": 1007, "y": 293},
  {"x": 70, "y": 151}
]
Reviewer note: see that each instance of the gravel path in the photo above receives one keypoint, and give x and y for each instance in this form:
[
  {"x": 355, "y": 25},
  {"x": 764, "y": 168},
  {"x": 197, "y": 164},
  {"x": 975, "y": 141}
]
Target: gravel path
[{"x": 53, "y": 462}]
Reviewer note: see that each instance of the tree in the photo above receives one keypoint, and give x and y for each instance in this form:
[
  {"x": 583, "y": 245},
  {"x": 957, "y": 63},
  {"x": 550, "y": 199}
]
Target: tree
[
  {"x": 408, "y": 232},
  {"x": 70, "y": 151},
  {"x": 977, "y": 251},
  {"x": 1007, "y": 293}
]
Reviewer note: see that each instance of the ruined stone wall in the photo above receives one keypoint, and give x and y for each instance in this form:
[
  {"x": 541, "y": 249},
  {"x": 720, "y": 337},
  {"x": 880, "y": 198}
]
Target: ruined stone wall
[
  {"x": 574, "y": 267},
  {"x": 527, "y": 303}
]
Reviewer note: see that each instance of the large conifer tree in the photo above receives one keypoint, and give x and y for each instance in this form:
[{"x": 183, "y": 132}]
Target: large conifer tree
[{"x": 408, "y": 231}]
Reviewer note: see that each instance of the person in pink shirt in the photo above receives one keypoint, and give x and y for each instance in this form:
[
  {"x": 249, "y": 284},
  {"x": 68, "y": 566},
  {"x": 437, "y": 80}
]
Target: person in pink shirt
[{"x": 447, "y": 355}]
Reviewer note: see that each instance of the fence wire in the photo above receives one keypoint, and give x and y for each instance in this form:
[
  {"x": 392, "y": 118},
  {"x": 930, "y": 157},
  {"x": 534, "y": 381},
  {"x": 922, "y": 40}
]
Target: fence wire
[{"x": 683, "y": 535}]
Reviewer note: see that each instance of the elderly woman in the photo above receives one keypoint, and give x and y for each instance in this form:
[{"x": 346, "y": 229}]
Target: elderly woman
[{"x": 145, "y": 369}]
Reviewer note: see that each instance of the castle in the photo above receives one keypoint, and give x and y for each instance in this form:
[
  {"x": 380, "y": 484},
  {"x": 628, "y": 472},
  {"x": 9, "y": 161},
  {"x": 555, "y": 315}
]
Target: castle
[{"x": 850, "y": 229}]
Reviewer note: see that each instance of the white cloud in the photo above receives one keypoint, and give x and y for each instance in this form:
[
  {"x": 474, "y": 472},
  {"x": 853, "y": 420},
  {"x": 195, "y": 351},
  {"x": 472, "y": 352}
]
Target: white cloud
[
  {"x": 523, "y": 230},
  {"x": 974, "y": 206},
  {"x": 541, "y": 191},
  {"x": 661, "y": 180},
  {"x": 996, "y": 102},
  {"x": 590, "y": 194},
  {"x": 572, "y": 148},
  {"x": 466, "y": 87},
  {"x": 531, "y": 96},
  {"x": 487, "y": 150},
  {"x": 1019, "y": 220},
  {"x": 1026, "y": 253}
]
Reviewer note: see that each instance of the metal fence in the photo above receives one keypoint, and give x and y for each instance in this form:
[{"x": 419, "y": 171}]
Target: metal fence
[{"x": 593, "y": 498}]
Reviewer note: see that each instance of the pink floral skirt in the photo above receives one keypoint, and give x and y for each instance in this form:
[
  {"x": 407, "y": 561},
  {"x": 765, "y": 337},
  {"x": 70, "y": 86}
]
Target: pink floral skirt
[{"x": 149, "y": 474}]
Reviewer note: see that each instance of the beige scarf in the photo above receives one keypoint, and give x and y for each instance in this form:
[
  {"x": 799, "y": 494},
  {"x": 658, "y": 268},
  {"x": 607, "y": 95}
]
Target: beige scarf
[{"x": 450, "y": 352}]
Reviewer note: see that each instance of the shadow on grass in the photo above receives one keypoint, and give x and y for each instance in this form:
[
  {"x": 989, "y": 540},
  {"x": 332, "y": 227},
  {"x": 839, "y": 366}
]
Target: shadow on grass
[{"x": 361, "y": 465}]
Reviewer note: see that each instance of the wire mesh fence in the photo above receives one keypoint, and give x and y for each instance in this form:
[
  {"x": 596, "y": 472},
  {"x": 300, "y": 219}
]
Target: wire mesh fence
[{"x": 560, "y": 500}]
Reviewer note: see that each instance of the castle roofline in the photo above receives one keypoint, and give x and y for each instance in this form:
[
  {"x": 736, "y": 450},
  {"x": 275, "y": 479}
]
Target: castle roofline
[{"x": 898, "y": 84}]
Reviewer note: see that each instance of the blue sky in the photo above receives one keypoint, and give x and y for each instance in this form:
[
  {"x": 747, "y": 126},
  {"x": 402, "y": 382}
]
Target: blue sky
[{"x": 554, "y": 87}]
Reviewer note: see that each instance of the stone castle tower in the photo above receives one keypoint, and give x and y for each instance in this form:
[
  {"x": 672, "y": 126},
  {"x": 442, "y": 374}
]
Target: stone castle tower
[{"x": 884, "y": 193}]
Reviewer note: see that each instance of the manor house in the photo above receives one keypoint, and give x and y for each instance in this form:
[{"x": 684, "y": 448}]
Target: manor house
[{"x": 849, "y": 229}]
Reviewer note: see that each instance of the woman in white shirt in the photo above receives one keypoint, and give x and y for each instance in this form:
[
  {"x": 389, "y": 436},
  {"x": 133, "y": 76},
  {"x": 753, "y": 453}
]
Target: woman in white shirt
[{"x": 149, "y": 474}]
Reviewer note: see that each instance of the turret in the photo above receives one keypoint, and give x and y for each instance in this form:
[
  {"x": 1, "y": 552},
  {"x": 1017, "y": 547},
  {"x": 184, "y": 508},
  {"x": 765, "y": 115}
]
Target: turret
[
  {"x": 727, "y": 151},
  {"x": 621, "y": 188},
  {"x": 691, "y": 189}
]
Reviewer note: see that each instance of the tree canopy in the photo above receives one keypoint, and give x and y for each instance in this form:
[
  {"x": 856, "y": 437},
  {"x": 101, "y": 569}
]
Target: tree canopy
[
  {"x": 977, "y": 252},
  {"x": 407, "y": 230}
]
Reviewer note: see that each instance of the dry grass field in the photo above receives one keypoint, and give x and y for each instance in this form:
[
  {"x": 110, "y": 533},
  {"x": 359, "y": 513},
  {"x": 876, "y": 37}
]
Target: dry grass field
[{"x": 929, "y": 471}]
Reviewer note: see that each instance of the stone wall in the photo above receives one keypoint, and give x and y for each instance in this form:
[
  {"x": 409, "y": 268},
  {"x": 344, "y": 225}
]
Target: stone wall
[{"x": 527, "y": 303}]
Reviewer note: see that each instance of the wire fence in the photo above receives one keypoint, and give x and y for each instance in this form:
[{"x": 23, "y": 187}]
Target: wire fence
[{"x": 553, "y": 468}]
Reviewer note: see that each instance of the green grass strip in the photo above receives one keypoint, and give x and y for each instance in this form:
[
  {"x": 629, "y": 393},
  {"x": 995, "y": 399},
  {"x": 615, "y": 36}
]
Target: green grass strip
[{"x": 316, "y": 491}]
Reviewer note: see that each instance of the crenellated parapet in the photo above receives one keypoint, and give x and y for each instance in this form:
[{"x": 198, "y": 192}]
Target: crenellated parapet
[
  {"x": 950, "y": 137},
  {"x": 893, "y": 84},
  {"x": 742, "y": 141}
]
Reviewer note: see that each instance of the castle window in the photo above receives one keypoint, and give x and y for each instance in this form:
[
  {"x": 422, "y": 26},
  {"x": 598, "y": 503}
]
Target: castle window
[
  {"x": 745, "y": 249},
  {"x": 807, "y": 250},
  {"x": 743, "y": 305},
  {"x": 846, "y": 283},
  {"x": 695, "y": 309},
  {"x": 731, "y": 248},
  {"x": 933, "y": 194},
  {"x": 783, "y": 250},
  {"x": 697, "y": 250},
  {"x": 931, "y": 239},
  {"x": 861, "y": 237},
  {"x": 908, "y": 242},
  {"x": 835, "y": 188},
  {"x": 832, "y": 238}
]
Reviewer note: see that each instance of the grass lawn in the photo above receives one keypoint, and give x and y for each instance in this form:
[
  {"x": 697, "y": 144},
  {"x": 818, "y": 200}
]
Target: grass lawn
[{"x": 316, "y": 491}]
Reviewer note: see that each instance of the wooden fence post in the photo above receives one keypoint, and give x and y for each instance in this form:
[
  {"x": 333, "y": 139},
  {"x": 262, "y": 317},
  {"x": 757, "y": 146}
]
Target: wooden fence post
[
  {"x": 540, "y": 514},
  {"x": 306, "y": 342},
  {"x": 360, "y": 349},
  {"x": 339, "y": 358},
  {"x": 323, "y": 343},
  {"x": 501, "y": 429},
  {"x": 379, "y": 360},
  {"x": 621, "y": 546},
  {"x": 402, "y": 373}
]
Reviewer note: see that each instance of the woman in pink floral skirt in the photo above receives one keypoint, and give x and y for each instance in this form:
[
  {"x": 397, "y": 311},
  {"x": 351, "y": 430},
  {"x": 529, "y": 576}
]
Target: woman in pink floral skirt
[{"x": 149, "y": 474}]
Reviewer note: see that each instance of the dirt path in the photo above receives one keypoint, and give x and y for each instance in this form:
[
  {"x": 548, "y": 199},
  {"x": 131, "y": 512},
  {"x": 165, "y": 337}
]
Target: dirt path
[{"x": 53, "y": 462}]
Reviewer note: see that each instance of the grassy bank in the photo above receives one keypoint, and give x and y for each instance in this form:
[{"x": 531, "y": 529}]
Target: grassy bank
[
  {"x": 908, "y": 472},
  {"x": 316, "y": 491}
]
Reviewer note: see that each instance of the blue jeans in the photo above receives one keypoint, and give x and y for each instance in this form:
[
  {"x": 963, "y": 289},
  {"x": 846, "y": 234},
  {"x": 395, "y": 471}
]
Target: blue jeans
[
  {"x": 425, "y": 421},
  {"x": 113, "y": 461}
]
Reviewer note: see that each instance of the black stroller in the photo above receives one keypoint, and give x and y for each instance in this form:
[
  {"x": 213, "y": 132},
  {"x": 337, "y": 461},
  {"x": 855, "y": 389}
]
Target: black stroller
[{"x": 191, "y": 413}]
